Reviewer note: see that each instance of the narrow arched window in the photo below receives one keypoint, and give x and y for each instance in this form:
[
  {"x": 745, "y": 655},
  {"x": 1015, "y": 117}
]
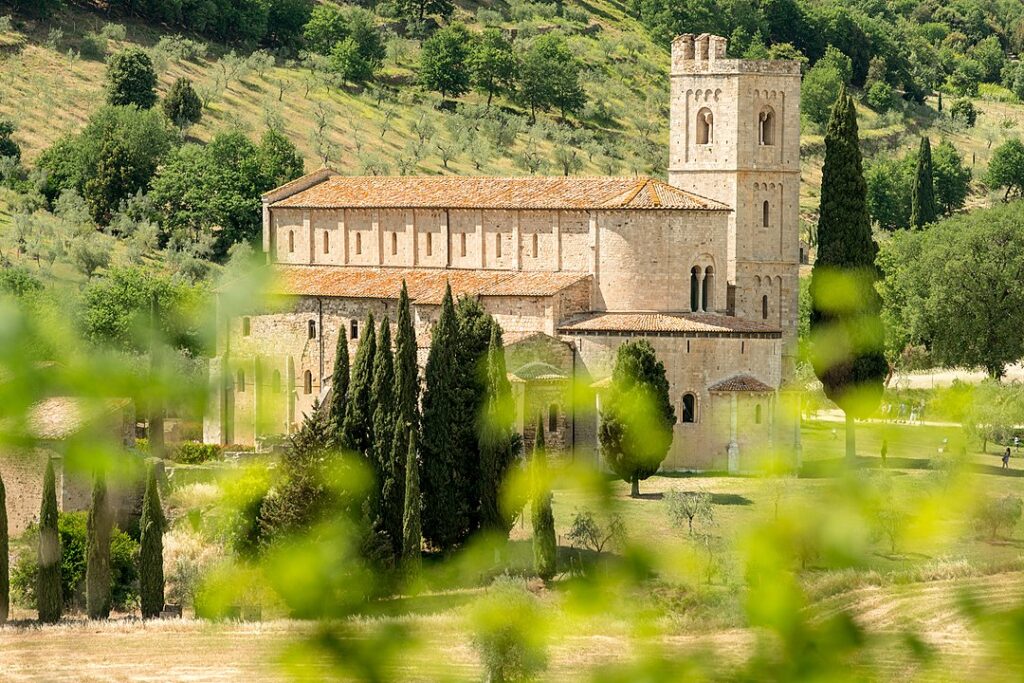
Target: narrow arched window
[
  {"x": 312, "y": 329},
  {"x": 552, "y": 418},
  {"x": 430, "y": 244},
  {"x": 707, "y": 290},
  {"x": 275, "y": 382},
  {"x": 497, "y": 245},
  {"x": 533, "y": 244},
  {"x": 764, "y": 307},
  {"x": 353, "y": 329},
  {"x": 462, "y": 244},
  {"x": 694, "y": 289},
  {"x": 307, "y": 382},
  {"x": 359, "y": 243},
  {"x": 757, "y": 414},
  {"x": 705, "y": 127},
  {"x": 240, "y": 380},
  {"x": 327, "y": 242},
  {"x": 765, "y": 213},
  {"x": 394, "y": 243},
  {"x": 689, "y": 409},
  {"x": 246, "y": 326},
  {"x": 291, "y": 241},
  {"x": 766, "y": 127}
]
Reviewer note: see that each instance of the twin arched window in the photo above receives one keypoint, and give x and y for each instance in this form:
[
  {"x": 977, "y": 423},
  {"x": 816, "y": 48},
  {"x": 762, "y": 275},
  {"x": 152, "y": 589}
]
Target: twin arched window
[
  {"x": 702, "y": 289},
  {"x": 705, "y": 127},
  {"x": 766, "y": 127}
]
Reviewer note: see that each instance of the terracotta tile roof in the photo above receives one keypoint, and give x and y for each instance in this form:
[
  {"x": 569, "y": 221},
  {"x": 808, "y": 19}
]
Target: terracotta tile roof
[
  {"x": 538, "y": 370},
  {"x": 474, "y": 192},
  {"x": 299, "y": 184},
  {"x": 741, "y": 383},
  {"x": 667, "y": 323},
  {"x": 426, "y": 285}
]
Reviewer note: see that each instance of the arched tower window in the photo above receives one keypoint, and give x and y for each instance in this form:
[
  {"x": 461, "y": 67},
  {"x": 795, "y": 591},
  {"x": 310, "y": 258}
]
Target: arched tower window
[
  {"x": 312, "y": 329},
  {"x": 708, "y": 290},
  {"x": 694, "y": 289},
  {"x": 766, "y": 209},
  {"x": 552, "y": 417},
  {"x": 705, "y": 127},
  {"x": 757, "y": 414},
  {"x": 240, "y": 381},
  {"x": 275, "y": 382},
  {"x": 291, "y": 241},
  {"x": 689, "y": 409},
  {"x": 307, "y": 382},
  {"x": 766, "y": 127},
  {"x": 764, "y": 307}
]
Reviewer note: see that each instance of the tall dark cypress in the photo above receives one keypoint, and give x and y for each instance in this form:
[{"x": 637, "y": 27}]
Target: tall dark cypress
[
  {"x": 923, "y": 209},
  {"x": 5, "y": 569},
  {"x": 847, "y": 337},
  {"x": 97, "y": 569},
  {"x": 359, "y": 412},
  {"x": 407, "y": 419},
  {"x": 151, "y": 552},
  {"x": 383, "y": 392},
  {"x": 411, "y": 534},
  {"x": 497, "y": 439},
  {"x": 49, "y": 600},
  {"x": 339, "y": 391},
  {"x": 545, "y": 547},
  {"x": 444, "y": 513}
]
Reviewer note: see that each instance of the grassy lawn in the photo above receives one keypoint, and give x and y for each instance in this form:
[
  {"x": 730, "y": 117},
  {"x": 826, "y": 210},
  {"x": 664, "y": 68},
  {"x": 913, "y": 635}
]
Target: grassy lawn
[{"x": 938, "y": 559}]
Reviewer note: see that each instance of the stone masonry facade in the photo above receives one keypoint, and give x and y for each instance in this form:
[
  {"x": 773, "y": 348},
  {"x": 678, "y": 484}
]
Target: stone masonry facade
[{"x": 705, "y": 267}]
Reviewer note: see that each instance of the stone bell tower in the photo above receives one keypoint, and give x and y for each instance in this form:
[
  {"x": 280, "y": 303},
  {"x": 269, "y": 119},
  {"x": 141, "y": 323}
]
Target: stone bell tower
[{"x": 735, "y": 137}]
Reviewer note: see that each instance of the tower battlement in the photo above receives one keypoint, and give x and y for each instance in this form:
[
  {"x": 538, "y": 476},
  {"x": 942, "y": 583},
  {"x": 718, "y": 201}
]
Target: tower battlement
[{"x": 707, "y": 53}]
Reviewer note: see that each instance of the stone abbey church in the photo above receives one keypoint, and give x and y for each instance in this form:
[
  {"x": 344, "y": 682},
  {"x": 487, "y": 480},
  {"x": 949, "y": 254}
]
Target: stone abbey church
[{"x": 705, "y": 267}]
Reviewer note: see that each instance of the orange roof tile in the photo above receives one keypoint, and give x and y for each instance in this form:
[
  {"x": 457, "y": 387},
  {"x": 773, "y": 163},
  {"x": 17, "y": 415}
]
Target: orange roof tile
[
  {"x": 741, "y": 383},
  {"x": 474, "y": 192},
  {"x": 426, "y": 285},
  {"x": 666, "y": 323}
]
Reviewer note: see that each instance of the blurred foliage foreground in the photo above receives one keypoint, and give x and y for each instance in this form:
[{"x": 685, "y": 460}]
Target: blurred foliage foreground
[{"x": 644, "y": 590}]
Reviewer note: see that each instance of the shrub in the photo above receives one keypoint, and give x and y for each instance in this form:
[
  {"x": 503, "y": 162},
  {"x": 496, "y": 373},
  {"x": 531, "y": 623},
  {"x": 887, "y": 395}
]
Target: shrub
[
  {"x": 93, "y": 46},
  {"x": 996, "y": 514},
  {"x": 506, "y": 631},
  {"x": 188, "y": 558},
  {"x": 72, "y": 528},
  {"x": 963, "y": 110},
  {"x": 881, "y": 97},
  {"x": 195, "y": 453}
]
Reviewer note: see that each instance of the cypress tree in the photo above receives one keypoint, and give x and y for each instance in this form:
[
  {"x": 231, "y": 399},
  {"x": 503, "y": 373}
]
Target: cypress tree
[
  {"x": 922, "y": 194},
  {"x": 411, "y": 519},
  {"x": 339, "y": 391},
  {"x": 5, "y": 575},
  {"x": 474, "y": 334},
  {"x": 151, "y": 553},
  {"x": 444, "y": 512},
  {"x": 48, "y": 591},
  {"x": 545, "y": 548},
  {"x": 390, "y": 492},
  {"x": 847, "y": 337},
  {"x": 407, "y": 384},
  {"x": 358, "y": 424},
  {"x": 97, "y": 573},
  {"x": 497, "y": 438}
]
